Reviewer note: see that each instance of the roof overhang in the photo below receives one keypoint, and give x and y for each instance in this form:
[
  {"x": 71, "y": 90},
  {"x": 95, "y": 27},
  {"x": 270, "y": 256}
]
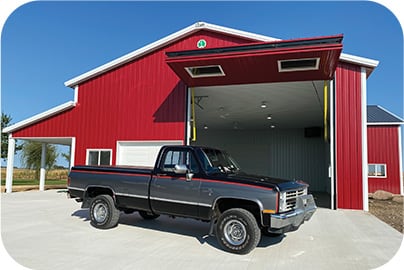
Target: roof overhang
[
  {"x": 36, "y": 118},
  {"x": 161, "y": 43},
  {"x": 263, "y": 62},
  {"x": 367, "y": 63}
]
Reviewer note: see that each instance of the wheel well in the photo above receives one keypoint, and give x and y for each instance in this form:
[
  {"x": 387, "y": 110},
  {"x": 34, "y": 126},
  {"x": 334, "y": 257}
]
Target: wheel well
[
  {"x": 95, "y": 191},
  {"x": 92, "y": 192},
  {"x": 228, "y": 203}
]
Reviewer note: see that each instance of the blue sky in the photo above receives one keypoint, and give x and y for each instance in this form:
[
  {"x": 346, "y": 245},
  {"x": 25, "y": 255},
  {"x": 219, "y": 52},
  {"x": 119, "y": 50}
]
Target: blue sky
[{"x": 44, "y": 44}]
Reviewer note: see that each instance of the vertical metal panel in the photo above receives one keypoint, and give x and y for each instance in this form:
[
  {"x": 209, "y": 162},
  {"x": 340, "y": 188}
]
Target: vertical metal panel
[
  {"x": 383, "y": 148},
  {"x": 348, "y": 137},
  {"x": 141, "y": 100},
  {"x": 283, "y": 153}
]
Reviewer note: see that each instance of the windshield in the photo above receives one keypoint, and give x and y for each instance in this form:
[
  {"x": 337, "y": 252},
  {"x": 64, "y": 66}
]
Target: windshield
[{"x": 218, "y": 161}]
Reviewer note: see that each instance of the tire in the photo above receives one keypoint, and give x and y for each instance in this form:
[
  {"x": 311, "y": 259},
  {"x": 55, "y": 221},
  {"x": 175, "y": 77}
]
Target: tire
[
  {"x": 237, "y": 231},
  {"x": 148, "y": 216},
  {"x": 103, "y": 213}
]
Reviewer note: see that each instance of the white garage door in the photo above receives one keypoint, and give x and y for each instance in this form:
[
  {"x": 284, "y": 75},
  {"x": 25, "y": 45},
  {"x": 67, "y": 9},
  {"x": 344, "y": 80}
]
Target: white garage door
[{"x": 142, "y": 153}]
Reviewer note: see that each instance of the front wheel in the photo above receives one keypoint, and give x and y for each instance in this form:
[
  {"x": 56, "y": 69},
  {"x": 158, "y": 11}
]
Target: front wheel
[
  {"x": 103, "y": 213},
  {"x": 237, "y": 231}
]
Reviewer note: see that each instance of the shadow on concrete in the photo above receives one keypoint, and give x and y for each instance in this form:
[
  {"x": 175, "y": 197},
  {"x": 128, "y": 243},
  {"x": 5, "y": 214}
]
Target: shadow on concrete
[{"x": 181, "y": 226}]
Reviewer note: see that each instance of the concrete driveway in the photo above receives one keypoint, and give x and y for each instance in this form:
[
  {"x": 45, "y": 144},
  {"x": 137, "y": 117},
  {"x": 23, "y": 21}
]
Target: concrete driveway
[{"x": 45, "y": 230}]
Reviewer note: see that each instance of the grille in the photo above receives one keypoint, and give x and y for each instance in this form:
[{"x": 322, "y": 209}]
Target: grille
[{"x": 291, "y": 198}]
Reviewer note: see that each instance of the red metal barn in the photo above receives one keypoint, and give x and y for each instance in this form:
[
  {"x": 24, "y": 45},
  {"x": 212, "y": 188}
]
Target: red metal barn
[
  {"x": 384, "y": 149},
  {"x": 287, "y": 108}
]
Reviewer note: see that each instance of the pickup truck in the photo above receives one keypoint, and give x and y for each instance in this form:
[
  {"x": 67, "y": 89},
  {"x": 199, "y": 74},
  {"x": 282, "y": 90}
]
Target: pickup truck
[{"x": 196, "y": 182}]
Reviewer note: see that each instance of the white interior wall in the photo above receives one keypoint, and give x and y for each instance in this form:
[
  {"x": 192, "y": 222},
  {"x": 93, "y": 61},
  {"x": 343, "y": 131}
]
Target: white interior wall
[{"x": 283, "y": 153}]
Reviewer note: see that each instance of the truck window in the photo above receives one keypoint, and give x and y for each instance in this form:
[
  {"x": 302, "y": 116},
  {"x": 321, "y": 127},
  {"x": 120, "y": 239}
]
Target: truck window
[{"x": 180, "y": 157}]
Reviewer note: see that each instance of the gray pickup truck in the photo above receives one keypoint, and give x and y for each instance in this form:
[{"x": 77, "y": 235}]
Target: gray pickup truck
[{"x": 197, "y": 182}]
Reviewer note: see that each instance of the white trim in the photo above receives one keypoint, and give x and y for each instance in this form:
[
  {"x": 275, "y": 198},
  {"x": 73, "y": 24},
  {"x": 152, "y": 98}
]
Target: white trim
[
  {"x": 332, "y": 143},
  {"x": 400, "y": 160},
  {"x": 189, "y": 70},
  {"x": 163, "y": 42},
  {"x": 40, "y": 116},
  {"x": 132, "y": 195},
  {"x": 99, "y": 150},
  {"x": 375, "y": 176},
  {"x": 335, "y": 140},
  {"x": 366, "y": 62},
  {"x": 72, "y": 152},
  {"x": 385, "y": 123},
  {"x": 392, "y": 114},
  {"x": 280, "y": 69},
  {"x": 365, "y": 180},
  {"x": 76, "y": 94},
  {"x": 188, "y": 125},
  {"x": 10, "y": 163},
  {"x": 119, "y": 144},
  {"x": 42, "y": 174}
]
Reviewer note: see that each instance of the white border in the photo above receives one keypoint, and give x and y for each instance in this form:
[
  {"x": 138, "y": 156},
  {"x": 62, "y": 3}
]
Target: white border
[
  {"x": 370, "y": 63},
  {"x": 144, "y": 143},
  {"x": 99, "y": 156},
  {"x": 280, "y": 69},
  {"x": 55, "y": 110},
  {"x": 221, "y": 74},
  {"x": 163, "y": 42},
  {"x": 385, "y": 170},
  {"x": 332, "y": 143},
  {"x": 365, "y": 180},
  {"x": 400, "y": 160}
]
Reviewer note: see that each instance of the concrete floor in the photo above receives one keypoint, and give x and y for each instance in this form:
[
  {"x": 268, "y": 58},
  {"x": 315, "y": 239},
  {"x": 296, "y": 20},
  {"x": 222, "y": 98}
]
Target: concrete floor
[{"x": 45, "y": 230}]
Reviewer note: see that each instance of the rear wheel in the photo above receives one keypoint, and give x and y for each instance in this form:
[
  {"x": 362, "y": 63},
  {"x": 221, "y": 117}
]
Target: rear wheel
[
  {"x": 148, "y": 216},
  {"x": 237, "y": 231},
  {"x": 103, "y": 213}
]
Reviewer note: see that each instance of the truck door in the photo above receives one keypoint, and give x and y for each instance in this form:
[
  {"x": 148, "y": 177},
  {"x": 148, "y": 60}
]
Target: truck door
[{"x": 171, "y": 192}]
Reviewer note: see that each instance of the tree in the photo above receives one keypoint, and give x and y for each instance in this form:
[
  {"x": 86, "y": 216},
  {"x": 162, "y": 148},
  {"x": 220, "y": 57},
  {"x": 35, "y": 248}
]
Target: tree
[
  {"x": 31, "y": 156},
  {"x": 5, "y": 122}
]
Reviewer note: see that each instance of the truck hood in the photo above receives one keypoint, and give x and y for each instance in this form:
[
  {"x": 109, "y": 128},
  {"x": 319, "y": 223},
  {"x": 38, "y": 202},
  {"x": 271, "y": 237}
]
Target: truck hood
[{"x": 266, "y": 181}]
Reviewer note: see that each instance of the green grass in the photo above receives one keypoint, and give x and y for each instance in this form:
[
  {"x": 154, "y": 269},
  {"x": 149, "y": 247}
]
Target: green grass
[{"x": 30, "y": 182}]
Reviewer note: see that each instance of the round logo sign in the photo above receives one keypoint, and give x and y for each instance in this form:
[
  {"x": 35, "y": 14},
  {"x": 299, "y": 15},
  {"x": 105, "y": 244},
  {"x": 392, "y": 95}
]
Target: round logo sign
[{"x": 201, "y": 43}]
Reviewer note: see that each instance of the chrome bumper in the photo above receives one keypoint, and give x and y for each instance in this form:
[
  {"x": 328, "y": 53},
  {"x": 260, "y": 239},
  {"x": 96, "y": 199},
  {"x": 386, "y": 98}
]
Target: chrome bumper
[{"x": 305, "y": 208}]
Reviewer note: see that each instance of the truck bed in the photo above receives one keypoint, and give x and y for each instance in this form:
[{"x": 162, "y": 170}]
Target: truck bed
[{"x": 115, "y": 169}]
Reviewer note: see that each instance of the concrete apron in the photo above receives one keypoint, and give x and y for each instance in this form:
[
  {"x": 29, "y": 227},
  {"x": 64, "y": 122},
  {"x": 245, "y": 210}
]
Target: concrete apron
[{"x": 45, "y": 230}]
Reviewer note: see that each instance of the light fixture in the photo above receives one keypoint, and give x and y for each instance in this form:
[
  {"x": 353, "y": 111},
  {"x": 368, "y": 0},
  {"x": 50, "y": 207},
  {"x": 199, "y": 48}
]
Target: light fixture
[
  {"x": 236, "y": 125},
  {"x": 263, "y": 105},
  {"x": 269, "y": 117},
  {"x": 205, "y": 127},
  {"x": 272, "y": 126}
]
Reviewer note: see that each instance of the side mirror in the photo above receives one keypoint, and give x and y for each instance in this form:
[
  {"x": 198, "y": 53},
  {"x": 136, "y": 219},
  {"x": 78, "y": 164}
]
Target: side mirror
[
  {"x": 180, "y": 169},
  {"x": 183, "y": 169}
]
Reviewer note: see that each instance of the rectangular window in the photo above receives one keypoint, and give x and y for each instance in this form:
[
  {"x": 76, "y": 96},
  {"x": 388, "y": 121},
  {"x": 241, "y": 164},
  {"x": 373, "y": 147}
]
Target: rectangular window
[
  {"x": 99, "y": 157},
  {"x": 377, "y": 170},
  {"x": 179, "y": 157},
  {"x": 205, "y": 71},
  {"x": 298, "y": 64}
]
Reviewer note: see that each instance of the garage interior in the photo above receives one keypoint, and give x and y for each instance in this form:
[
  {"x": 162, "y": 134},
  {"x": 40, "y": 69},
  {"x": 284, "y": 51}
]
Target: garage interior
[{"x": 273, "y": 129}]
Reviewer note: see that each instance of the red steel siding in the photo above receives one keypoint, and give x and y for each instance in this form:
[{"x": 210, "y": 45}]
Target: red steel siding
[
  {"x": 348, "y": 137},
  {"x": 141, "y": 100},
  {"x": 383, "y": 149}
]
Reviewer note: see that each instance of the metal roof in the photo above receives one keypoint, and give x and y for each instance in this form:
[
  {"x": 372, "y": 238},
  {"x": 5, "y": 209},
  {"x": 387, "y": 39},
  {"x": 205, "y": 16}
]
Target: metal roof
[
  {"x": 378, "y": 115},
  {"x": 370, "y": 64}
]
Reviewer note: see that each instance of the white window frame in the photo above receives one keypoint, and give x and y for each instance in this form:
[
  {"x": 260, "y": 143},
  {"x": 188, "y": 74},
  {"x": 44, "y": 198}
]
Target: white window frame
[
  {"x": 378, "y": 164},
  {"x": 99, "y": 150}
]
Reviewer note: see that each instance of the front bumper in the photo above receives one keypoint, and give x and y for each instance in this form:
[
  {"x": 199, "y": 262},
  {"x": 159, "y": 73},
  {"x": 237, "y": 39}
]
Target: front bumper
[{"x": 290, "y": 221}]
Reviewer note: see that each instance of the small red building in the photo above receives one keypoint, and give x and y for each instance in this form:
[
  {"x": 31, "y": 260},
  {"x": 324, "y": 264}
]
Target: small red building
[
  {"x": 384, "y": 151},
  {"x": 286, "y": 108}
]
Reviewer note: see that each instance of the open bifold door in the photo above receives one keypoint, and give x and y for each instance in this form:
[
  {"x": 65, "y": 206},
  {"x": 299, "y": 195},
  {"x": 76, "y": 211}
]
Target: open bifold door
[{"x": 263, "y": 62}]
